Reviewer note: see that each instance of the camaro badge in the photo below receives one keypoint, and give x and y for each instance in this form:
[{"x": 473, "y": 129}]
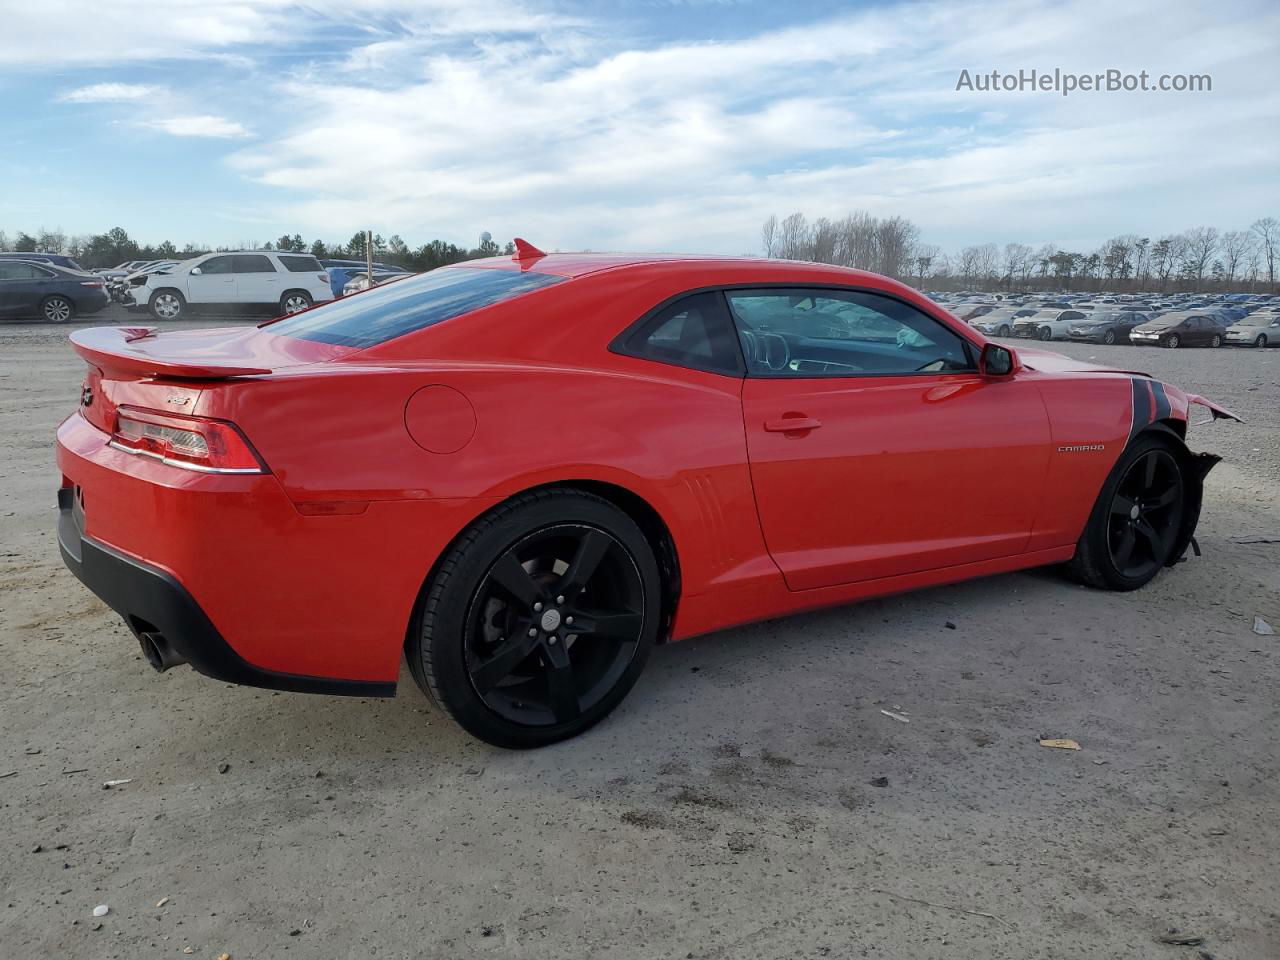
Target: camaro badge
[{"x": 1082, "y": 447}]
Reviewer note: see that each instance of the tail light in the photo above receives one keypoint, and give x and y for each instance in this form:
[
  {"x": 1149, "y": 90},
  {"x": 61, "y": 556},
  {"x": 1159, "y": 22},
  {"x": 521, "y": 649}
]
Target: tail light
[
  {"x": 92, "y": 283},
  {"x": 192, "y": 443}
]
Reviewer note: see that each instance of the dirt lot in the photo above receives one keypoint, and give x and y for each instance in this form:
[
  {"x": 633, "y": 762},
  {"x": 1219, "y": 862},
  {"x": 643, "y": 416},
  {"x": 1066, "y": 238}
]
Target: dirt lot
[{"x": 748, "y": 800}]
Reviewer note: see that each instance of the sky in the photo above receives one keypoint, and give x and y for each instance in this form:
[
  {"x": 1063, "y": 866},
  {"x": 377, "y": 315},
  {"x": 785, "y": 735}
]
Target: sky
[{"x": 674, "y": 125}]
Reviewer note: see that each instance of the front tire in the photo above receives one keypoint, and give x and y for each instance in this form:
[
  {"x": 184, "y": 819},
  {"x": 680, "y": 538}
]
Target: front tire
[
  {"x": 1109, "y": 338},
  {"x": 1173, "y": 341},
  {"x": 167, "y": 305},
  {"x": 1260, "y": 341},
  {"x": 57, "y": 309},
  {"x": 1136, "y": 519},
  {"x": 539, "y": 619},
  {"x": 1046, "y": 333}
]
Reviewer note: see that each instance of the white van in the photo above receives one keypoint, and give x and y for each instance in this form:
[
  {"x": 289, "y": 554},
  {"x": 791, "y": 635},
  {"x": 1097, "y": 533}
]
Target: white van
[{"x": 287, "y": 282}]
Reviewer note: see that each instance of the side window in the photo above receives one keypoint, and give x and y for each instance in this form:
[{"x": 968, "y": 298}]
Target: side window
[
  {"x": 22, "y": 271},
  {"x": 253, "y": 263},
  {"x": 301, "y": 264},
  {"x": 798, "y": 332},
  {"x": 216, "y": 265},
  {"x": 693, "y": 332}
]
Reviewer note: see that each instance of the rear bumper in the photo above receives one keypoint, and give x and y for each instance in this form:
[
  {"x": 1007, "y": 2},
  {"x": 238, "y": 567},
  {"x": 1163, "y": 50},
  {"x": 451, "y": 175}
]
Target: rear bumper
[{"x": 152, "y": 601}]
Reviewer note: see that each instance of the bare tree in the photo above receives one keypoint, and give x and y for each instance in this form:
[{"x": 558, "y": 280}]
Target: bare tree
[
  {"x": 1267, "y": 230},
  {"x": 769, "y": 236},
  {"x": 1201, "y": 243},
  {"x": 1016, "y": 258},
  {"x": 794, "y": 242},
  {"x": 1236, "y": 245}
]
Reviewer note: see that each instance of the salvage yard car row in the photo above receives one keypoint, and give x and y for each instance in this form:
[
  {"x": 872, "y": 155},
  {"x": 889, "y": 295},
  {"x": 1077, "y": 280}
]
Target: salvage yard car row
[
  {"x": 1185, "y": 320},
  {"x": 55, "y": 288}
]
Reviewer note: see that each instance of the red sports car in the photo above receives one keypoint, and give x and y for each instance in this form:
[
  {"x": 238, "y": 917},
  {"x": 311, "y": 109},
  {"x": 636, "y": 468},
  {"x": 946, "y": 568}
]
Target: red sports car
[{"x": 523, "y": 473}]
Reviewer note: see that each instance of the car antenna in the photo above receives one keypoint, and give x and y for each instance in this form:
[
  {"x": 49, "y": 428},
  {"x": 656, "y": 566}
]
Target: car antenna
[{"x": 526, "y": 251}]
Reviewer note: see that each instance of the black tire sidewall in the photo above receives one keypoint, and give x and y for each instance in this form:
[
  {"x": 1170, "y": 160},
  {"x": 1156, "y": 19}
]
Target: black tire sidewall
[
  {"x": 1109, "y": 337},
  {"x": 44, "y": 306},
  {"x": 295, "y": 293},
  {"x": 1094, "y": 542},
  {"x": 182, "y": 303},
  {"x": 437, "y": 645}
]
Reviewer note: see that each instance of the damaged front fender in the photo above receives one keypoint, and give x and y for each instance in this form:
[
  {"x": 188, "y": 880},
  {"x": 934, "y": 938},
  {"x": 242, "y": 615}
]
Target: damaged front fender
[{"x": 1195, "y": 467}]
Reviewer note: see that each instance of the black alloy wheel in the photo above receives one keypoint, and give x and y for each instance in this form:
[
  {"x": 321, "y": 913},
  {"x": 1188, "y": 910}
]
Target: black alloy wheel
[
  {"x": 554, "y": 625},
  {"x": 1146, "y": 512},
  {"x": 1261, "y": 340},
  {"x": 1109, "y": 337},
  {"x": 538, "y": 620},
  {"x": 1046, "y": 333}
]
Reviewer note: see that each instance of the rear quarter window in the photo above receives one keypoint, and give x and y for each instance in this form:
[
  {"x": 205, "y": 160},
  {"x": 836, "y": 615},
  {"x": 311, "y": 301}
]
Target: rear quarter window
[
  {"x": 395, "y": 309},
  {"x": 301, "y": 264}
]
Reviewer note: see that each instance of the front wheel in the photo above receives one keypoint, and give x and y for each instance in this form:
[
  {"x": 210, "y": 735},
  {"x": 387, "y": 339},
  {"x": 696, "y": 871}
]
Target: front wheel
[
  {"x": 1136, "y": 519},
  {"x": 57, "y": 310},
  {"x": 1046, "y": 333},
  {"x": 1109, "y": 337},
  {"x": 167, "y": 305},
  {"x": 539, "y": 619},
  {"x": 1261, "y": 340},
  {"x": 1173, "y": 341},
  {"x": 295, "y": 301}
]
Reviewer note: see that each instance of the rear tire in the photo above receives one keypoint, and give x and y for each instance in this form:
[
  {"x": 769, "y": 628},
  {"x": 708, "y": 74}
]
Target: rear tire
[
  {"x": 493, "y": 643},
  {"x": 167, "y": 304},
  {"x": 1216, "y": 341},
  {"x": 1004, "y": 331},
  {"x": 57, "y": 309},
  {"x": 294, "y": 301},
  {"x": 1136, "y": 519}
]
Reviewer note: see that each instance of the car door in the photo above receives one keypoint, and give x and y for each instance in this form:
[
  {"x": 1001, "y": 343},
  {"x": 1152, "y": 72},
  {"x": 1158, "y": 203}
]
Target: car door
[
  {"x": 258, "y": 280},
  {"x": 876, "y": 448},
  {"x": 215, "y": 283}
]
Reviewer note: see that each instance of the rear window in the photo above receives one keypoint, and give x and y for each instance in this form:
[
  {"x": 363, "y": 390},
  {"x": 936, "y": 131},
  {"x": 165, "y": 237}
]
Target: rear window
[
  {"x": 391, "y": 311},
  {"x": 301, "y": 264}
]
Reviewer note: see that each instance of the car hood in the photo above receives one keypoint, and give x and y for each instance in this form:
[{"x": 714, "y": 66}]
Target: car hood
[{"x": 1046, "y": 361}]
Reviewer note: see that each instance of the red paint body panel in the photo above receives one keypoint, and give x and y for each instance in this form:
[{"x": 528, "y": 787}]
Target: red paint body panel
[{"x": 378, "y": 458}]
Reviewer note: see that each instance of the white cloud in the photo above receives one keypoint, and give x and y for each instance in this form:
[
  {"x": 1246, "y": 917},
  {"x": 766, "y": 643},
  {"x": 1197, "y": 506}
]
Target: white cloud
[
  {"x": 109, "y": 93},
  {"x": 205, "y": 125}
]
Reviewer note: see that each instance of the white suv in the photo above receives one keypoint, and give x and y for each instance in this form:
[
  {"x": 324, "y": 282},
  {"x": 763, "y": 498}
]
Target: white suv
[{"x": 287, "y": 282}]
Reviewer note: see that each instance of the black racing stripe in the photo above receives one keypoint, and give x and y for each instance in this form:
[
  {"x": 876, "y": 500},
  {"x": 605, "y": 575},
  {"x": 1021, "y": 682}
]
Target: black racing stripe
[
  {"x": 1141, "y": 407},
  {"x": 1162, "y": 401}
]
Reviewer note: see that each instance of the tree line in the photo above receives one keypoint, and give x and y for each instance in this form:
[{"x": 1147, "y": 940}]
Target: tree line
[
  {"x": 115, "y": 246},
  {"x": 1201, "y": 259}
]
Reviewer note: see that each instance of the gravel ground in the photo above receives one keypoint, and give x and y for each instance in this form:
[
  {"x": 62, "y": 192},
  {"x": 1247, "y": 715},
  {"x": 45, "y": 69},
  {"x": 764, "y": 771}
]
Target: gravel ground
[{"x": 749, "y": 799}]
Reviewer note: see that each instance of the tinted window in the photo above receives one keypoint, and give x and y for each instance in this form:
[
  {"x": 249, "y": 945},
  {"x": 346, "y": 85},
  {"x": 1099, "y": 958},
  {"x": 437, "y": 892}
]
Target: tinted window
[
  {"x": 253, "y": 263},
  {"x": 216, "y": 265},
  {"x": 395, "y": 309},
  {"x": 694, "y": 332},
  {"x": 832, "y": 333},
  {"x": 301, "y": 264},
  {"x": 21, "y": 271}
]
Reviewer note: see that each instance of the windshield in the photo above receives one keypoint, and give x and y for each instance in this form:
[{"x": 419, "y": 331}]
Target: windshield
[{"x": 386, "y": 312}]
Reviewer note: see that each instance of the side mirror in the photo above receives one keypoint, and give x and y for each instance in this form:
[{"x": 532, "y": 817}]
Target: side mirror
[
  {"x": 997, "y": 361},
  {"x": 195, "y": 271}
]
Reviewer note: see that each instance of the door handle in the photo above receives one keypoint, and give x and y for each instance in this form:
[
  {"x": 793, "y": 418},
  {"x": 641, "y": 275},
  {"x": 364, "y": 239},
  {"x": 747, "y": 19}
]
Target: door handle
[{"x": 792, "y": 424}]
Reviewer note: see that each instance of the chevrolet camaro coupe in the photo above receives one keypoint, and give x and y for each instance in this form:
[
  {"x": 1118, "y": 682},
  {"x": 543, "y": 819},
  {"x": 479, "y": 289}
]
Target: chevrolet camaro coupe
[{"x": 521, "y": 474}]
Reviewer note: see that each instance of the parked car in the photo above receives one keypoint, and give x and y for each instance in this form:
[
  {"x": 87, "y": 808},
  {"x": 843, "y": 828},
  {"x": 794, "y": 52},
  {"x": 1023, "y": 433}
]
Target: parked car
[
  {"x": 37, "y": 288},
  {"x": 57, "y": 259},
  {"x": 121, "y": 288},
  {"x": 1106, "y": 327},
  {"x": 999, "y": 323},
  {"x": 285, "y": 282},
  {"x": 360, "y": 281},
  {"x": 1047, "y": 324},
  {"x": 1255, "y": 330},
  {"x": 341, "y": 271},
  {"x": 1180, "y": 329},
  {"x": 410, "y": 474}
]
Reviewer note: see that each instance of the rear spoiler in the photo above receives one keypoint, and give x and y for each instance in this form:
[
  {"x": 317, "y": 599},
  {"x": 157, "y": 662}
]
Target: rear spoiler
[{"x": 113, "y": 349}]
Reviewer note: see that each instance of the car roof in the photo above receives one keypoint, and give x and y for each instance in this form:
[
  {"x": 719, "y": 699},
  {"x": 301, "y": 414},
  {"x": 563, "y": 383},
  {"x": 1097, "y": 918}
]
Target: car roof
[{"x": 572, "y": 265}]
